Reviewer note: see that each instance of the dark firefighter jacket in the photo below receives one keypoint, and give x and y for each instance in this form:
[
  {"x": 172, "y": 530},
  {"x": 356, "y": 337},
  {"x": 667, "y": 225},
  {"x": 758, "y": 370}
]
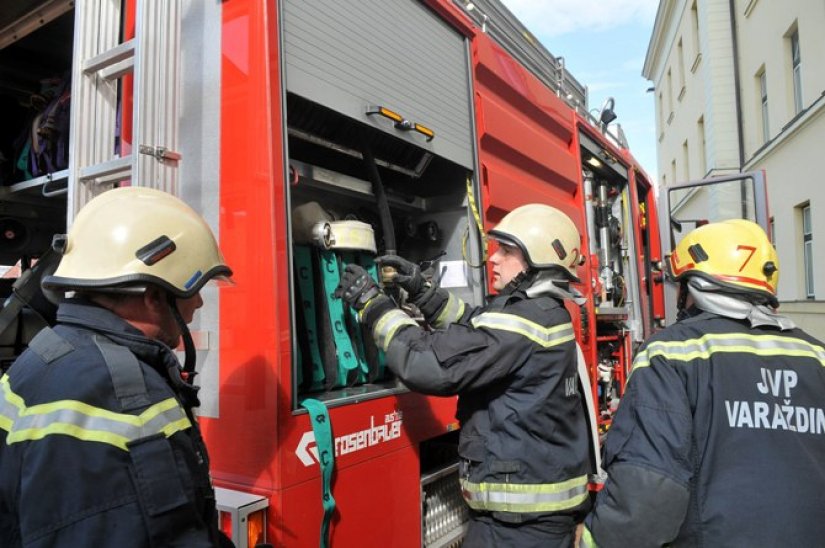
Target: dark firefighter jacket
[
  {"x": 523, "y": 438},
  {"x": 718, "y": 441},
  {"x": 95, "y": 446}
]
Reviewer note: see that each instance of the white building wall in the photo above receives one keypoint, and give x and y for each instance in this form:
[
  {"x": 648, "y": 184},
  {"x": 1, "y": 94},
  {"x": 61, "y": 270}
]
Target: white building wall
[
  {"x": 707, "y": 93},
  {"x": 763, "y": 29},
  {"x": 720, "y": 101},
  {"x": 796, "y": 178},
  {"x": 790, "y": 155}
]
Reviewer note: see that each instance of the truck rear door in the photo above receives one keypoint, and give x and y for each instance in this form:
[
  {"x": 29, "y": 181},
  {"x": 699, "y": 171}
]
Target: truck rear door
[{"x": 686, "y": 206}]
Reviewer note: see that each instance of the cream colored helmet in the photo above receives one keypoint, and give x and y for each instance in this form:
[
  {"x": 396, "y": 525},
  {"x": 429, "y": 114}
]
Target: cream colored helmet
[
  {"x": 547, "y": 237},
  {"x": 133, "y": 237}
]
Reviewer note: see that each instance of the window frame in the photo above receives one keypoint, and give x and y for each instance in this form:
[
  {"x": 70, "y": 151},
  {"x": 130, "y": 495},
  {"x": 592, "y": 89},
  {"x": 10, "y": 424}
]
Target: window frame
[
  {"x": 807, "y": 251},
  {"x": 762, "y": 77},
  {"x": 796, "y": 72}
]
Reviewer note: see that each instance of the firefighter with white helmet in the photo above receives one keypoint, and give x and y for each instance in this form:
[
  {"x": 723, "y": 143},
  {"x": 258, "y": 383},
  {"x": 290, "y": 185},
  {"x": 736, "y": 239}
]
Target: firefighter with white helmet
[
  {"x": 99, "y": 443},
  {"x": 524, "y": 439},
  {"x": 719, "y": 436}
]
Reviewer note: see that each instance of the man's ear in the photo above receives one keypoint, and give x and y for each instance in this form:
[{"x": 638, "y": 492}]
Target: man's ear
[{"x": 154, "y": 299}]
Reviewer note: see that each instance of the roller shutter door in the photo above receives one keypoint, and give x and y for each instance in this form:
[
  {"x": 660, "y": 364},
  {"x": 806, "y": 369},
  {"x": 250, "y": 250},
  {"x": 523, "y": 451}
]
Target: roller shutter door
[{"x": 393, "y": 53}]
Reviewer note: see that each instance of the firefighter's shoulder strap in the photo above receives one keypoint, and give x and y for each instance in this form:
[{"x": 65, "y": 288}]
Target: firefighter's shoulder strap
[
  {"x": 597, "y": 475},
  {"x": 25, "y": 288},
  {"x": 126, "y": 373},
  {"x": 321, "y": 427}
]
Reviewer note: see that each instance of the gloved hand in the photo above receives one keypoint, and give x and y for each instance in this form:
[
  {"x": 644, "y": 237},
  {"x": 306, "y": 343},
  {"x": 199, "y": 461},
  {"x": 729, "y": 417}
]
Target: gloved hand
[
  {"x": 356, "y": 287},
  {"x": 408, "y": 274}
]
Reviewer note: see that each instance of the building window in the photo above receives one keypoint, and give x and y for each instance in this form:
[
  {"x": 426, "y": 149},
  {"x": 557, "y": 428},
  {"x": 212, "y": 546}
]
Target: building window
[
  {"x": 796, "y": 64},
  {"x": 694, "y": 27},
  {"x": 772, "y": 235},
  {"x": 681, "y": 54},
  {"x": 670, "y": 95},
  {"x": 686, "y": 160},
  {"x": 807, "y": 251},
  {"x": 763, "y": 95},
  {"x": 700, "y": 131},
  {"x": 661, "y": 113}
]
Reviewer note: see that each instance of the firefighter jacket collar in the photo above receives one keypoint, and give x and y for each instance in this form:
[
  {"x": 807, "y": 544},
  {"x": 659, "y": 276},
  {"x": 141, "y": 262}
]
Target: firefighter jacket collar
[
  {"x": 88, "y": 315},
  {"x": 709, "y": 300},
  {"x": 545, "y": 284}
]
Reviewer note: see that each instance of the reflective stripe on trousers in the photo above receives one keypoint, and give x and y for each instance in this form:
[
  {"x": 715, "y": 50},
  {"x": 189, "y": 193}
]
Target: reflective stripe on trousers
[{"x": 525, "y": 497}]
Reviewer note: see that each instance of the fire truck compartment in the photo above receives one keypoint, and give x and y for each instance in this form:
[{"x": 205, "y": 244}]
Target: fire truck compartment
[
  {"x": 357, "y": 88},
  {"x": 426, "y": 195}
]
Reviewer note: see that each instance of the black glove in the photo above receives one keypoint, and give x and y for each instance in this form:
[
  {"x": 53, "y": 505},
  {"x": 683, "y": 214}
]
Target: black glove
[
  {"x": 356, "y": 287},
  {"x": 408, "y": 274}
]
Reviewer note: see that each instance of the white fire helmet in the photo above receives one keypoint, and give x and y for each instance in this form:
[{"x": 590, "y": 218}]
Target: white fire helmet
[
  {"x": 547, "y": 237},
  {"x": 133, "y": 237}
]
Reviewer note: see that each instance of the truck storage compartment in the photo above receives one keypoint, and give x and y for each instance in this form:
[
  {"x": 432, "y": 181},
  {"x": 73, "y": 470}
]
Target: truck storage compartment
[
  {"x": 35, "y": 91},
  {"x": 377, "y": 123},
  {"x": 613, "y": 252},
  {"x": 335, "y": 220}
]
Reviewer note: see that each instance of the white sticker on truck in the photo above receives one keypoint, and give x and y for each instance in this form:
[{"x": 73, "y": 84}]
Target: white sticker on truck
[{"x": 307, "y": 450}]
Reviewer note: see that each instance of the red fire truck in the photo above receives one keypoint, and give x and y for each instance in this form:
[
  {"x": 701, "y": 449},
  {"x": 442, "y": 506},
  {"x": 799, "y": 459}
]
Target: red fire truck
[{"x": 293, "y": 125}]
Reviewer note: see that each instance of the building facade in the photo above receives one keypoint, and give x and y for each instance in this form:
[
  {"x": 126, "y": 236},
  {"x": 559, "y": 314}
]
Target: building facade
[{"x": 739, "y": 87}]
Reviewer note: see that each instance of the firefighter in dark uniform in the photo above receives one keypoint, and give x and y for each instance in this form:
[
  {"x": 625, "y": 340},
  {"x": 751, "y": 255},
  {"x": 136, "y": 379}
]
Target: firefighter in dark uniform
[
  {"x": 524, "y": 437},
  {"x": 98, "y": 443},
  {"x": 720, "y": 437}
]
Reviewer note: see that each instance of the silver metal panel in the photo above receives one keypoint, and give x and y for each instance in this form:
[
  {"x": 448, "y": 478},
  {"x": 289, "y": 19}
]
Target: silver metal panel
[
  {"x": 351, "y": 55},
  {"x": 94, "y": 101},
  {"x": 156, "y": 98},
  {"x": 239, "y": 505},
  {"x": 199, "y": 177}
]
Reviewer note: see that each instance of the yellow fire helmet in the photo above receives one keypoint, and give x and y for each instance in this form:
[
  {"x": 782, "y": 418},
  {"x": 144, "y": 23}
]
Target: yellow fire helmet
[
  {"x": 133, "y": 237},
  {"x": 734, "y": 254},
  {"x": 547, "y": 237}
]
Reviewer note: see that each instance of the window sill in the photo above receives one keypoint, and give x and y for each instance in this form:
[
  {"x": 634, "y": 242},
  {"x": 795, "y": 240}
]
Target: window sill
[{"x": 696, "y": 62}]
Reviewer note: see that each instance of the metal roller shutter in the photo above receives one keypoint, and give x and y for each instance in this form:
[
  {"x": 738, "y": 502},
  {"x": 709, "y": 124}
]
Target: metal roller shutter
[{"x": 393, "y": 53}]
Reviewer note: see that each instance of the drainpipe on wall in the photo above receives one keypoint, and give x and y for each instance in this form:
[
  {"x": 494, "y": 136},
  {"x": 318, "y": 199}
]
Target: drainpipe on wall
[
  {"x": 738, "y": 98},
  {"x": 737, "y": 84}
]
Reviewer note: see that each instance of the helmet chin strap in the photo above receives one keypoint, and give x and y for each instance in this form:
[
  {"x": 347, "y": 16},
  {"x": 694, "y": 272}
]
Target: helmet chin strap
[
  {"x": 521, "y": 281},
  {"x": 681, "y": 303},
  {"x": 183, "y": 378}
]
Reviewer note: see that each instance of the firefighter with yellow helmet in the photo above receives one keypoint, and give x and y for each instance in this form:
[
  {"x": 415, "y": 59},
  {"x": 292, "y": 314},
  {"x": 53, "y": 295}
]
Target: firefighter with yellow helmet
[
  {"x": 523, "y": 445},
  {"x": 98, "y": 442},
  {"x": 718, "y": 440}
]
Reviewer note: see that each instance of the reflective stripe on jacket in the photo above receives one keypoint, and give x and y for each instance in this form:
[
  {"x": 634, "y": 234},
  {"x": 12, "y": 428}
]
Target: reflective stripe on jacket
[
  {"x": 523, "y": 440},
  {"x": 718, "y": 441},
  {"x": 85, "y": 422},
  {"x": 95, "y": 446}
]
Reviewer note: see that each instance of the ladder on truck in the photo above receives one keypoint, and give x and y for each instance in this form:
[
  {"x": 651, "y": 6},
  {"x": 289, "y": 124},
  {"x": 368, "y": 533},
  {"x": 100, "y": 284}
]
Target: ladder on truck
[{"x": 100, "y": 63}]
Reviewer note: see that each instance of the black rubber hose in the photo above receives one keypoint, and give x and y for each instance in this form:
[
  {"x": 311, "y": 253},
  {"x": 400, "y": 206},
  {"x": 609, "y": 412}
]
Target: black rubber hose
[{"x": 380, "y": 201}]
